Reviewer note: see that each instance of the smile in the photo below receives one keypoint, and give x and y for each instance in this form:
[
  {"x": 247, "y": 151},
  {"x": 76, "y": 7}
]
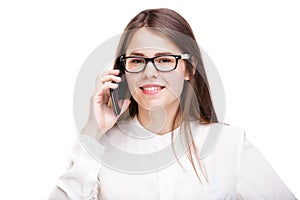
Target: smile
[{"x": 151, "y": 89}]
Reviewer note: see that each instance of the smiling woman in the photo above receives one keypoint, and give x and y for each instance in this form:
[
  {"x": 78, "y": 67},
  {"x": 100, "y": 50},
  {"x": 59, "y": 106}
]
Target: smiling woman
[{"x": 165, "y": 141}]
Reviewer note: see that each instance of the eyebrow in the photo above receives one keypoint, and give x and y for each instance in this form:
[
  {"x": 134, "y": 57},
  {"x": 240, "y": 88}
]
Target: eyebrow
[{"x": 157, "y": 54}]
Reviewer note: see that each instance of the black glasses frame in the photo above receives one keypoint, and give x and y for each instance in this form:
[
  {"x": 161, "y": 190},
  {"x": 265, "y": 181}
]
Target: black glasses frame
[{"x": 177, "y": 57}]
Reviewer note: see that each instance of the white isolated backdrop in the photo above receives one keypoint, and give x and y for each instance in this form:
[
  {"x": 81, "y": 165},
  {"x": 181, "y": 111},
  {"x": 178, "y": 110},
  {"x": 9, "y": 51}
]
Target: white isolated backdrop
[{"x": 254, "y": 45}]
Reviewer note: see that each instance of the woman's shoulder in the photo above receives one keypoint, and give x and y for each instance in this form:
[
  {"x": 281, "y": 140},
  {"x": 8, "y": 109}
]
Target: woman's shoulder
[
  {"x": 231, "y": 131},
  {"x": 222, "y": 130},
  {"x": 218, "y": 136}
]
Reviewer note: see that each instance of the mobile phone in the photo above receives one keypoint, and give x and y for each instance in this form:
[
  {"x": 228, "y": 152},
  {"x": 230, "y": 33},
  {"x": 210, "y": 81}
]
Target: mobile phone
[{"x": 122, "y": 91}]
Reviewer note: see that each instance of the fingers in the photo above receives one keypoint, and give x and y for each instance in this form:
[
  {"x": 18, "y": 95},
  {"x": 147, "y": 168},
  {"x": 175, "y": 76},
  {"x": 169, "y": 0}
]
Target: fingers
[
  {"x": 111, "y": 73},
  {"x": 107, "y": 80},
  {"x": 108, "y": 85},
  {"x": 108, "y": 76},
  {"x": 102, "y": 115}
]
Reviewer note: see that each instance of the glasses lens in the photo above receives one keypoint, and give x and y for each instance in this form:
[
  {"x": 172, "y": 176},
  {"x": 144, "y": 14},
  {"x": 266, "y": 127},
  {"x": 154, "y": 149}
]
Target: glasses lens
[
  {"x": 165, "y": 63},
  {"x": 134, "y": 64}
]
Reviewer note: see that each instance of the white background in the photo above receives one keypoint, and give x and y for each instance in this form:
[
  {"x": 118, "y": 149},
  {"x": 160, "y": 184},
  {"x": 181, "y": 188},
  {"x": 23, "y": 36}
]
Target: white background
[{"x": 254, "y": 44}]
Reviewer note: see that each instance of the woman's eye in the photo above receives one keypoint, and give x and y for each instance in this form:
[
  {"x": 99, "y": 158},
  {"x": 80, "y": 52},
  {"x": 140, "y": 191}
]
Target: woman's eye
[
  {"x": 136, "y": 61},
  {"x": 164, "y": 60}
]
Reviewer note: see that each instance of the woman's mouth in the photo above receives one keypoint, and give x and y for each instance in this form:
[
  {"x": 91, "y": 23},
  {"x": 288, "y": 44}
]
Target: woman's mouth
[{"x": 151, "y": 89}]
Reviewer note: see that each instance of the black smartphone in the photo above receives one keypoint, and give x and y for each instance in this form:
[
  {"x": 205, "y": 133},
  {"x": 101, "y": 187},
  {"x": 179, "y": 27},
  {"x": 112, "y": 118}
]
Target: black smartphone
[{"x": 122, "y": 92}]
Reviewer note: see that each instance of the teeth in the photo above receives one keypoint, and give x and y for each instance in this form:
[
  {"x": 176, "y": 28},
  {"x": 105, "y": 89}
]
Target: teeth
[{"x": 151, "y": 88}]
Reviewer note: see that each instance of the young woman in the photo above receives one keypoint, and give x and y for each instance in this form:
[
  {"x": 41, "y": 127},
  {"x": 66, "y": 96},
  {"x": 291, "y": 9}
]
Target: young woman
[{"x": 166, "y": 142}]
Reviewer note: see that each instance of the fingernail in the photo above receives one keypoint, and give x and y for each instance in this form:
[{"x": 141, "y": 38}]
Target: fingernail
[{"x": 115, "y": 85}]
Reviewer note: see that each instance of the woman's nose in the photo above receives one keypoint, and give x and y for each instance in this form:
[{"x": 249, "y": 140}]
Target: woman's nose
[{"x": 150, "y": 71}]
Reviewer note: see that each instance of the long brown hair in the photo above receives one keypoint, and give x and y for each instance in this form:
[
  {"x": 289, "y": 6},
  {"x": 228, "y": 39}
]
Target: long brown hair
[{"x": 195, "y": 99}]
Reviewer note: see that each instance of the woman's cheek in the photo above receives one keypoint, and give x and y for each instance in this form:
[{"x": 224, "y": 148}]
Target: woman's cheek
[
  {"x": 176, "y": 89},
  {"x": 131, "y": 81},
  {"x": 175, "y": 84}
]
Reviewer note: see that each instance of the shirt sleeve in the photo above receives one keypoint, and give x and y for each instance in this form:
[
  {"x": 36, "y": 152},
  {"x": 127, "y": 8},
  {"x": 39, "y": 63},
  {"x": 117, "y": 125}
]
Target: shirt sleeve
[
  {"x": 80, "y": 180},
  {"x": 256, "y": 178}
]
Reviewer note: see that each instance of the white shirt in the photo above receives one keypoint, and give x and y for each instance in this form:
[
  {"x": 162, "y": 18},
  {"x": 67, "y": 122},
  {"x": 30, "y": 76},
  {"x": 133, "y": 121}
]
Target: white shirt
[{"x": 235, "y": 169}]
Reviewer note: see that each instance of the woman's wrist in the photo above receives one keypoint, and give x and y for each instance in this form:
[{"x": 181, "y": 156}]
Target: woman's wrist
[{"x": 93, "y": 131}]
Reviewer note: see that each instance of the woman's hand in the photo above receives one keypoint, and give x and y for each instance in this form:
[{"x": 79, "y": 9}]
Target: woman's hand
[{"x": 102, "y": 116}]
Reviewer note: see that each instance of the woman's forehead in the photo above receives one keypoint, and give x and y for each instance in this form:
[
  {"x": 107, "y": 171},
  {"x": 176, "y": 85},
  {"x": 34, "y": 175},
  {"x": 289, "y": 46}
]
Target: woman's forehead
[
  {"x": 146, "y": 40},
  {"x": 152, "y": 51}
]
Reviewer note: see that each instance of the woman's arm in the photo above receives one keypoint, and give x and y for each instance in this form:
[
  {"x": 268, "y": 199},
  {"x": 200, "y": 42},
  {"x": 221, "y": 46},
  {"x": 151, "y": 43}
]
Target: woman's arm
[
  {"x": 256, "y": 178},
  {"x": 80, "y": 180}
]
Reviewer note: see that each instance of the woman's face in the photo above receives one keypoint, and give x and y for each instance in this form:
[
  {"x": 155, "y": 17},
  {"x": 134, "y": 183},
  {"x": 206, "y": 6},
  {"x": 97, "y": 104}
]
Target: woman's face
[{"x": 151, "y": 88}]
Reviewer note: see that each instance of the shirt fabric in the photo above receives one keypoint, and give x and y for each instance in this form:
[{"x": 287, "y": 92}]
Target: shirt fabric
[{"x": 235, "y": 169}]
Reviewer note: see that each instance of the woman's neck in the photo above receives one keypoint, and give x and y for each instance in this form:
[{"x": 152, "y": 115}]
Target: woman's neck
[{"x": 159, "y": 120}]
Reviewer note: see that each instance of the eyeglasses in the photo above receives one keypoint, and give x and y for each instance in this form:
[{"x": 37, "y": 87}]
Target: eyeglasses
[{"x": 163, "y": 63}]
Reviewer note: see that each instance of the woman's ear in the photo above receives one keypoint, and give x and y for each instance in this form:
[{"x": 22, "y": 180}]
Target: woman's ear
[{"x": 193, "y": 62}]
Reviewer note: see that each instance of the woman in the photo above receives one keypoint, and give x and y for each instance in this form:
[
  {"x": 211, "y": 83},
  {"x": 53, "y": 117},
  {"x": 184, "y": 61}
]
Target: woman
[{"x": 166, "y": 142}]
